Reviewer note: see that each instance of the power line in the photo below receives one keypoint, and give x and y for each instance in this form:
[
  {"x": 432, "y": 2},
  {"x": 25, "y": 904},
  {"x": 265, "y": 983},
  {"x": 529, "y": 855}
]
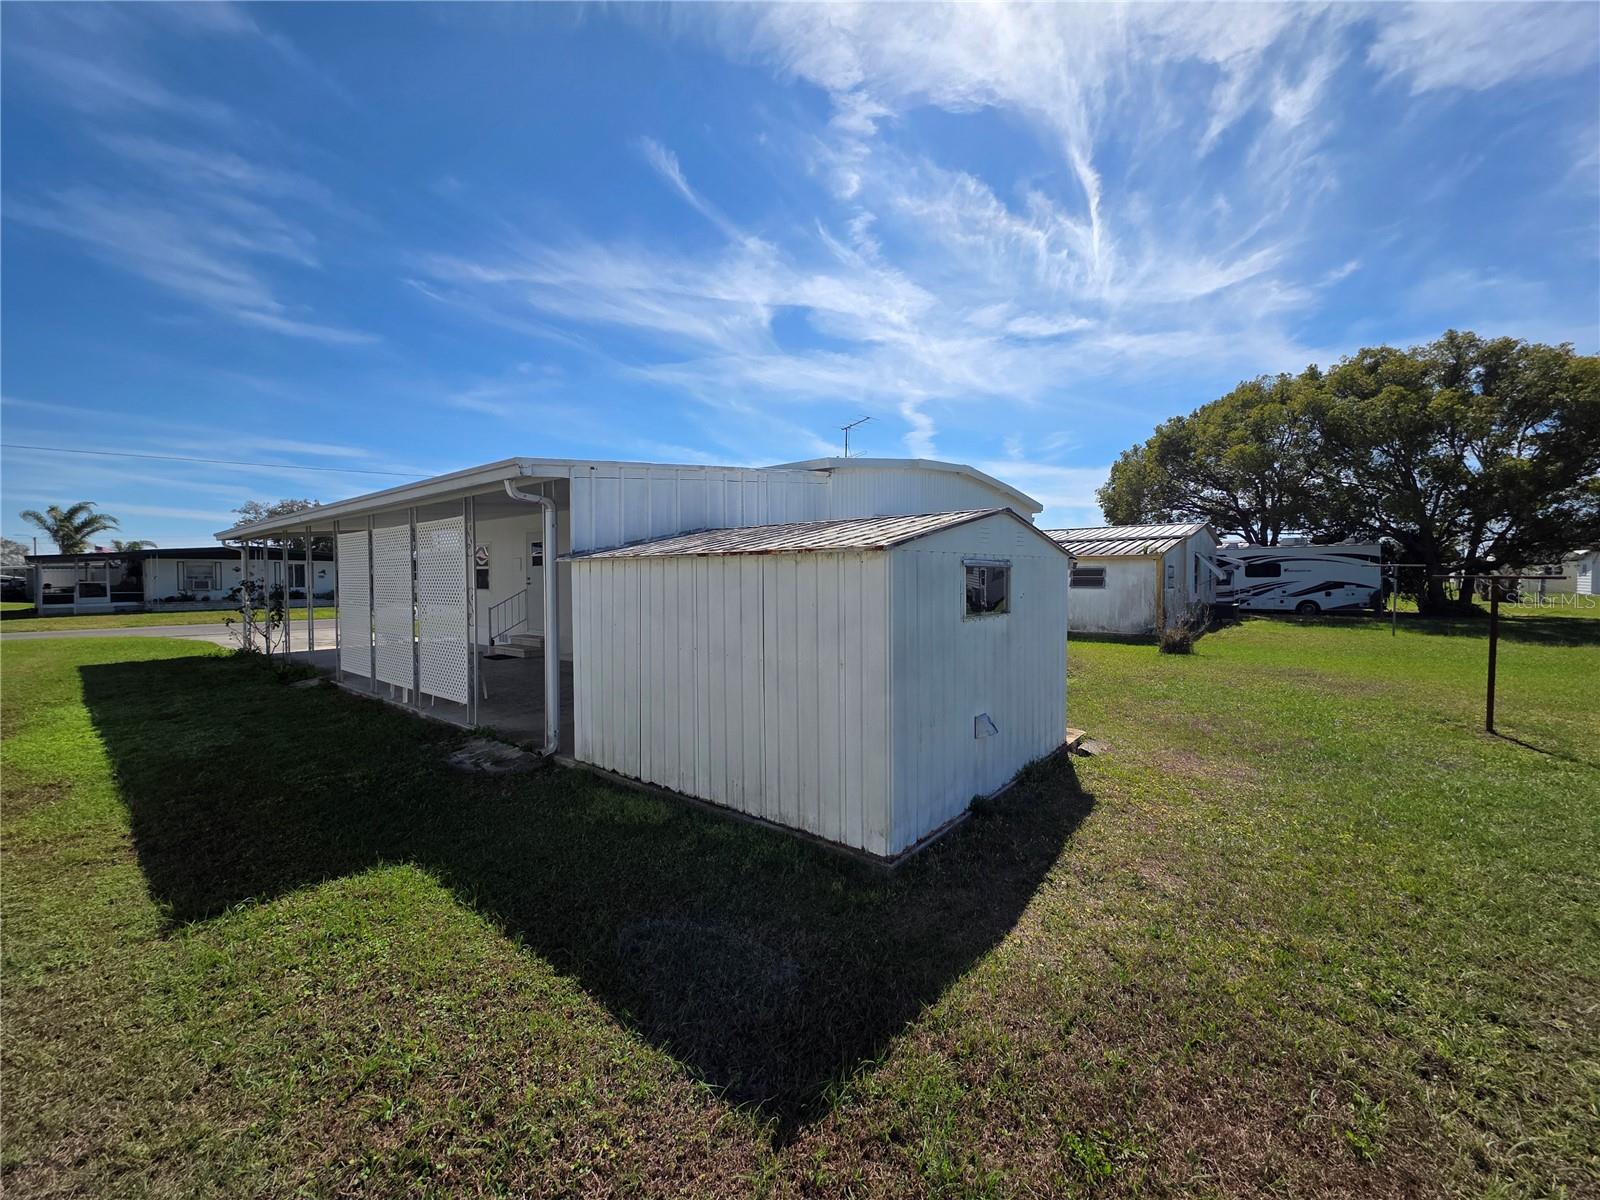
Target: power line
[{"x": 216, "y": 462}]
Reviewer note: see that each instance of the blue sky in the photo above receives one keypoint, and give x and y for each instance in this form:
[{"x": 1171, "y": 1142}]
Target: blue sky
[{"x": 384, "y": 238}]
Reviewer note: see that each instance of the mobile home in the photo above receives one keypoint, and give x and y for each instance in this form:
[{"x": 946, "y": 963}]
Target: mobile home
[
  {"x": 200, "y": 577},
  {"x": 851, "y": 648}
]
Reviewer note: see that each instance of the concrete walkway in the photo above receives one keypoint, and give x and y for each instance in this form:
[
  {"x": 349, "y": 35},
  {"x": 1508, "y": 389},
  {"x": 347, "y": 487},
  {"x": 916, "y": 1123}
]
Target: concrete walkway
[{"x": 221, "y": 635}]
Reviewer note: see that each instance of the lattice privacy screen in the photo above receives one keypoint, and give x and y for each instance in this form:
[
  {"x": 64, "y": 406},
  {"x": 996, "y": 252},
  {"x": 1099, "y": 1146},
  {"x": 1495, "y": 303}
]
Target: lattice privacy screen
[
  {"x": 355, "y": 606},
  {"x": 442, "y": 608},
  {"x": 391, "y": 602}
]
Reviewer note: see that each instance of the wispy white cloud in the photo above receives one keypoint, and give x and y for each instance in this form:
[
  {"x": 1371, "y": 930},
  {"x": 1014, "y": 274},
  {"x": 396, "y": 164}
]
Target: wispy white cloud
[
  {"x": 927, "y": 292},
  {"x": 103, "y": 85},
  {"x": 1480, "y": 46},
  {"x": 202, "y": 257},
  {"x": 194, "y": 216},
  {"x": 1067, "y": 493}
]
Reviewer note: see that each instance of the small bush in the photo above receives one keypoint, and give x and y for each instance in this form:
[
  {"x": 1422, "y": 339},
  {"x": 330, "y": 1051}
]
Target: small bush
[
  {"x": 1181, "y": 635},
  {"x": 1177, "y": 640}
]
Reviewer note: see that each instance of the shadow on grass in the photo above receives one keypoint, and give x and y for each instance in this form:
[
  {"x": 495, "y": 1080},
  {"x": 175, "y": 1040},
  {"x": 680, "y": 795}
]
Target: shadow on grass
[
  {"x": 1113, "y": 639},
  {"x": 1525, "y": 626},
  {"x": 768, "y": 966}
]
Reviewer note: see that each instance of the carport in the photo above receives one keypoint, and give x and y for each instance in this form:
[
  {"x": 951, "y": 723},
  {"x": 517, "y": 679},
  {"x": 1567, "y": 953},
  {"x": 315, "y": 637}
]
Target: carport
[{"x": 433, "y": 601}]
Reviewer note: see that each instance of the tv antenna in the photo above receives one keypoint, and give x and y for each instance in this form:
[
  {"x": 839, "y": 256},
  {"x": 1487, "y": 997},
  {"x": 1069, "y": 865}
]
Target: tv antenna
[{"x": 848, "y": 428}]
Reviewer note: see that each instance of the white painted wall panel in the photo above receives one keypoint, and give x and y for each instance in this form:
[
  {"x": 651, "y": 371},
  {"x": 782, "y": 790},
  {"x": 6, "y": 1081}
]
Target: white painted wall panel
[
  {"x": 354, "y": 612},
  {"x": 887, "y": 491},
  {"x": 948, "y": 668},
  {"x": 755, "y": 682},
  {"x": 613, "y": 504},
  {"x": 1127, "y": 603}
]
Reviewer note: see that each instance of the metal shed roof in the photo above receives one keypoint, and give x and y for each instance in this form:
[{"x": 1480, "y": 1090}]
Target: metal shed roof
[
  {"x": 801, "y": 537},
  {"x": 1111, "y": 541}
]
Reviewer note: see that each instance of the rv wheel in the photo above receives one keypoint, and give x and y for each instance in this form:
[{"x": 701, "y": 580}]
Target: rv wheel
[{"x": 1307, "y": 608}]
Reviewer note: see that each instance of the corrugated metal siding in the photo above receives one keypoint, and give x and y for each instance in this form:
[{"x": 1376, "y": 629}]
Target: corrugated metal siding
[
  {"x": 759, "y": 683},
  {"x": 874, "y": 492},
  {"x": 613, "y": 505},
  {"x": 948, "y": 668},
  {"x": 1127, "y": 604}
]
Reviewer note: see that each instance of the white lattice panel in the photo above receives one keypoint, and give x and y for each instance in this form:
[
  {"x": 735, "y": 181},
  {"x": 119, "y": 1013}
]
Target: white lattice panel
[
  {"x": 442, "y": 608},
  {"x": 355, "y": 606},
  {"x": 391, "y": 602}
]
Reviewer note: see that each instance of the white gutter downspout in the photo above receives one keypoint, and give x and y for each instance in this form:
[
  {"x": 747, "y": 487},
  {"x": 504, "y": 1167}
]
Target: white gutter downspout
[{"x": 552, "y": 616}]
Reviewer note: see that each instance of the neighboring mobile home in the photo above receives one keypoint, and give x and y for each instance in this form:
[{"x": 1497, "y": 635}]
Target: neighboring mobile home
[
  {"x": 199, "y": 577},
  {"x": 752, "y": 637},
  {"x": 1579, "y": 571},
  {"x": 1138, "y": 579}
]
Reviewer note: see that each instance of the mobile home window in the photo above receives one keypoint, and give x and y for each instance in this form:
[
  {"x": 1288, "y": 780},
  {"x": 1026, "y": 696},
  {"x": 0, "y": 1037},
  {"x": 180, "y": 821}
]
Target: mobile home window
[
  {"x": 988, "y": 589},
  {"x": 1263, "y": 570},
  {"x": 199, "y": 576},
  {"x": 1088, "y": 577}
]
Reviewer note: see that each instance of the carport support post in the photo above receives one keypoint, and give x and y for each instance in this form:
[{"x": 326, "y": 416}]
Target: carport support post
[
  {"x": 416, "y": 630},
  {"x": 372, "y": 619},
  {"x": 338, "y": 596},
  {"x": 311, "y": 614},
  {"x": 244, "y": 587},
  {"x": 469, "y": 535},
  {"x": 288, "y": 642}
]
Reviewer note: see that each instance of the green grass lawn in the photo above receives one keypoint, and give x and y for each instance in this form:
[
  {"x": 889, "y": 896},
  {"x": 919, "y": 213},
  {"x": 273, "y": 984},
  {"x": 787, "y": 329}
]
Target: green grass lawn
[
  {"x": 1302, "y": 930},
  {"x": 28, "y": 623},
  {"x": 16, "y": 606}
]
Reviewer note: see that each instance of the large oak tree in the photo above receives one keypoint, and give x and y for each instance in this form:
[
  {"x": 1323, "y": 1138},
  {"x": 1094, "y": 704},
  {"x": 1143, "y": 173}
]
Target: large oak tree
[{"x": 1469, "y": 453}]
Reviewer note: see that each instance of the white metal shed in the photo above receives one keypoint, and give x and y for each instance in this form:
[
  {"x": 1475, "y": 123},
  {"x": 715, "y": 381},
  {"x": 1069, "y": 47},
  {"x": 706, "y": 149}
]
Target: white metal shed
[
  {"x": 1135, "y": 579},
  {"x": 858, "y": 679}
]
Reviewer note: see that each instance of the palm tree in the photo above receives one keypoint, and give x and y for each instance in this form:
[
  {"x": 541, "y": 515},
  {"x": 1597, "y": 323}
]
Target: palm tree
[
  {"x": 136, "y": 544},
  {"x": 71, "y": 528}
]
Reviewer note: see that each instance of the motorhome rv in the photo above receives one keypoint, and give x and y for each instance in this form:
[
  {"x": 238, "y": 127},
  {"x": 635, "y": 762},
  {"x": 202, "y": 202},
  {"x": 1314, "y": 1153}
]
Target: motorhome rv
[{"x": 1303, "y": 579}]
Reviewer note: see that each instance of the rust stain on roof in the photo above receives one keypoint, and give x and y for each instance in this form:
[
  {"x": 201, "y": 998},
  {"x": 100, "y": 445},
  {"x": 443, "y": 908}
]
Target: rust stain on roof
[
  {"x": 800, "y": 537},
  {"x": 1110, "y": 541}
]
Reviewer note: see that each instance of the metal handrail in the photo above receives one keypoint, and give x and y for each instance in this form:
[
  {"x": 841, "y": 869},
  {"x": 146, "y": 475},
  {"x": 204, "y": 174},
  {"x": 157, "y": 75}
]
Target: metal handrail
[{"x": 502, "y": 622}]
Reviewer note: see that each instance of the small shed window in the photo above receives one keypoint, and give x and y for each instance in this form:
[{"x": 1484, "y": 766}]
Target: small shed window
[
  {"x": 1263, "y": 570},
  {"x": 1088, "y": 577},
  {"x": 988, "y": 588}
]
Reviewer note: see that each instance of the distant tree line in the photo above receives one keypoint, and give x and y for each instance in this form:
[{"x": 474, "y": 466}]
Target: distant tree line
[{"x": 1469, "y": 453}]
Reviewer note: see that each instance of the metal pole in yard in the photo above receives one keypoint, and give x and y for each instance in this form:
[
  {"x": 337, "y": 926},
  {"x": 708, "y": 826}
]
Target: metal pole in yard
[
  {"x": 1494, "y": 647},
  {"x": 1394, "y": 600}
]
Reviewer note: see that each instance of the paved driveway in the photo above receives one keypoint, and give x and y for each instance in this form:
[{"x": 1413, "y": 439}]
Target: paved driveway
[{"x": 221, "y": 635}]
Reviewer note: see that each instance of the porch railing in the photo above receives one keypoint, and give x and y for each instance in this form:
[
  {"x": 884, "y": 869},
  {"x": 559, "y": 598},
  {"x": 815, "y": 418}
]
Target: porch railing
[{"x": 507, "y": 615}]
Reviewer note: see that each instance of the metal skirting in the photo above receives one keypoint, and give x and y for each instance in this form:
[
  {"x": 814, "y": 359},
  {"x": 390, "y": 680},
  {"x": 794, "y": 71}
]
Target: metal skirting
[
  {"x": 442, "y": 658},
  {"x": 355, "y": 601},
  {"x": 391, "y": 604}
]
